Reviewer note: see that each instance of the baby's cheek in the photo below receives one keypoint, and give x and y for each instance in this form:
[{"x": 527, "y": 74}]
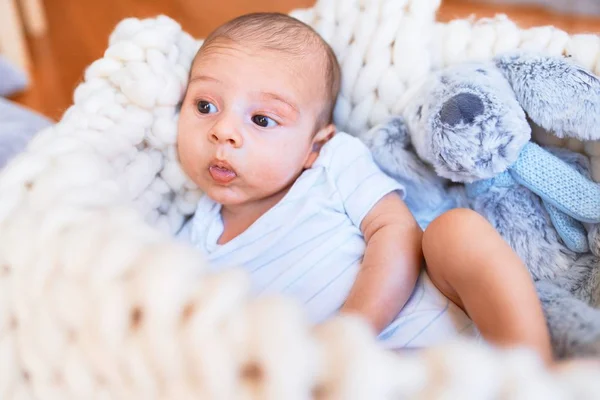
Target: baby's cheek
[
  {"x": 282, "y": 172},
  {"x": 267, "y": 175},
  {"x": 189, "y": 155},
  {"x": 275, "y": 164}
]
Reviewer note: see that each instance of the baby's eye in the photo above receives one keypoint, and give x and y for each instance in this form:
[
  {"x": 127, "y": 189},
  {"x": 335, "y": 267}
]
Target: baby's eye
[
  {"x": 263, "y": 121},
  {"x": 205, "y": 107}
]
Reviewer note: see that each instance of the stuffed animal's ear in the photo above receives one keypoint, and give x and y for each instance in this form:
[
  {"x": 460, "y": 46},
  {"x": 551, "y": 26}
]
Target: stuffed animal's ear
[{"x": 557, "y": 95}]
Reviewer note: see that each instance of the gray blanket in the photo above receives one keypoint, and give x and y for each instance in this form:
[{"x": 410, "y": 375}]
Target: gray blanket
[{"x": 17, "y": 126}]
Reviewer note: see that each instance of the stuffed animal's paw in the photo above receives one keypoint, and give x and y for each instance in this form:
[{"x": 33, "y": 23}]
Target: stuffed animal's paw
[
  {"x": 391, "y": 147},
  {"x": 589, "y": 349},
  {"x": 574, "y": 325},
  {"x": 392, "y": 133}
]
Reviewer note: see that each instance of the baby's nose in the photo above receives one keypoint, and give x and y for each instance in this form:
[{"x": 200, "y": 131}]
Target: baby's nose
[
  {"x": 219, "y": 138},
  {"x": 225, "y": 135},
  {"x": 463, "y": 107}
]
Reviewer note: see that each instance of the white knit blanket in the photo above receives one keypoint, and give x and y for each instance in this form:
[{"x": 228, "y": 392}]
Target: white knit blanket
[{"x": 98, "y": 301}]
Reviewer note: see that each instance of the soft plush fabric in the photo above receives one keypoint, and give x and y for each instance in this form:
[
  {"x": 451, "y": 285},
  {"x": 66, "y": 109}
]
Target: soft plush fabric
[
  {"x": 560, "y": 96},
  {"x": 97, "y": 300},
  {"x": 571, "y": 230}
]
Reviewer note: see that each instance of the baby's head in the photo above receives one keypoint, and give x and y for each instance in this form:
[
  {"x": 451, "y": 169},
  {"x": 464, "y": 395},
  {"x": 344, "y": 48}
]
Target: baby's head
[{"x": 258, "y": 107}]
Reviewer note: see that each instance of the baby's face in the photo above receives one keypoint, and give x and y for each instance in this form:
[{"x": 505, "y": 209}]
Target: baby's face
[{"x": 247, "y": 123}]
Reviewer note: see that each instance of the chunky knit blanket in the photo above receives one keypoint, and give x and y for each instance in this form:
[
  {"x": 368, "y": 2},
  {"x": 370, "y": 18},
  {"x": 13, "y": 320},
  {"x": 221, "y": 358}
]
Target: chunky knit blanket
[{"x": 98, "y": 301}]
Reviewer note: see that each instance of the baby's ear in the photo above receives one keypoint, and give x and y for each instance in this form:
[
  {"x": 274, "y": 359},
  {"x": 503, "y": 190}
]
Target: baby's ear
[
  {"x": 320, "y": 138},
  {"x": 324, "y": 134},
  {"x": 557, "y": 94}
]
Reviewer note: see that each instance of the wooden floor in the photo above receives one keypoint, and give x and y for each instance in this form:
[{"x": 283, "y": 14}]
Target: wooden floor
[{"x": 78, "y": 33}]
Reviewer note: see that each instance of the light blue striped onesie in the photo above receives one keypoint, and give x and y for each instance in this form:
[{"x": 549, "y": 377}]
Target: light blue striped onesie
[{"x": 309, "y": 245}]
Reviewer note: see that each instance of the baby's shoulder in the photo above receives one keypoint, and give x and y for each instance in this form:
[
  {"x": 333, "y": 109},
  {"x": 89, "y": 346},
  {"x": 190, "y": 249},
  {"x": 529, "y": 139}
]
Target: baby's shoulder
[
  {"x": 343, "y": 139},
  {"x": 341, "y": 149}
]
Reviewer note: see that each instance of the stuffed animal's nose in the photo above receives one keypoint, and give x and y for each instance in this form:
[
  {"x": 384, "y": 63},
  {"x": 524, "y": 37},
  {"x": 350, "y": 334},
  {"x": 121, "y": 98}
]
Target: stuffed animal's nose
[{"x": 463, "y": 107}]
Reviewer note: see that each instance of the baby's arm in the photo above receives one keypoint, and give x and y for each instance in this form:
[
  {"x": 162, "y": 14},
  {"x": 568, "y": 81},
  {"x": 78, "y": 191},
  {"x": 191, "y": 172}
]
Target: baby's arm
[{"x": 390, "y": 265}]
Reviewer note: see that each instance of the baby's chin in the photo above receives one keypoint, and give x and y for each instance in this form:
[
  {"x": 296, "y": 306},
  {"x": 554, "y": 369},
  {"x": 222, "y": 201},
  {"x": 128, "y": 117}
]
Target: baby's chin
[{"x": 225, "y": 195}]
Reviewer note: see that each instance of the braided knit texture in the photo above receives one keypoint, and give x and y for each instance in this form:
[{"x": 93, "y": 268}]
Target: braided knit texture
[
  {"x": 557, "y": 183},
  {"x": 97, "y": 301}
]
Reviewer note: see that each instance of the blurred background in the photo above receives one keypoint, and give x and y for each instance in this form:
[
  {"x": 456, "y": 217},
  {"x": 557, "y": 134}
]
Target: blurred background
[{"x": 61, "y": 37}]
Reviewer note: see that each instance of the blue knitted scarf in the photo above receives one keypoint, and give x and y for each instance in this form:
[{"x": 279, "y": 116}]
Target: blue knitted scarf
[{"x": 569, "y": 197}]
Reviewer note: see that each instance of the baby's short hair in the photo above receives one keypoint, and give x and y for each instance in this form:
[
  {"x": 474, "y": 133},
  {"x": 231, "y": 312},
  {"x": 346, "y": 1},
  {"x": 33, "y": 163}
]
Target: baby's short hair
[{"x": 280, "y": 32}]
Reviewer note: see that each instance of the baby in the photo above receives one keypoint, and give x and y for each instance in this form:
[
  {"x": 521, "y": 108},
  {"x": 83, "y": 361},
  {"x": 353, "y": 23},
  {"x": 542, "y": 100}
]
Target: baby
[{"x": 307, "y": 212}]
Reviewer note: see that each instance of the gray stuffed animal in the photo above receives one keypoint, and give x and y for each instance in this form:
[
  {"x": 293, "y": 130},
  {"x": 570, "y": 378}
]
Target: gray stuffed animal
[{"x": 471, "y": 124}]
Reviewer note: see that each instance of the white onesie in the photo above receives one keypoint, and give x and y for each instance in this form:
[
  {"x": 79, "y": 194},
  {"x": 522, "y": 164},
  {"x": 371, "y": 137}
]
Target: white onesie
[{"x": 309, "y": 245}]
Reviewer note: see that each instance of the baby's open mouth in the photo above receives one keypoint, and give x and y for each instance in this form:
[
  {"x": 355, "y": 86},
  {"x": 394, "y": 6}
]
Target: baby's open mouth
[{"x": 221, "y": 172}]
